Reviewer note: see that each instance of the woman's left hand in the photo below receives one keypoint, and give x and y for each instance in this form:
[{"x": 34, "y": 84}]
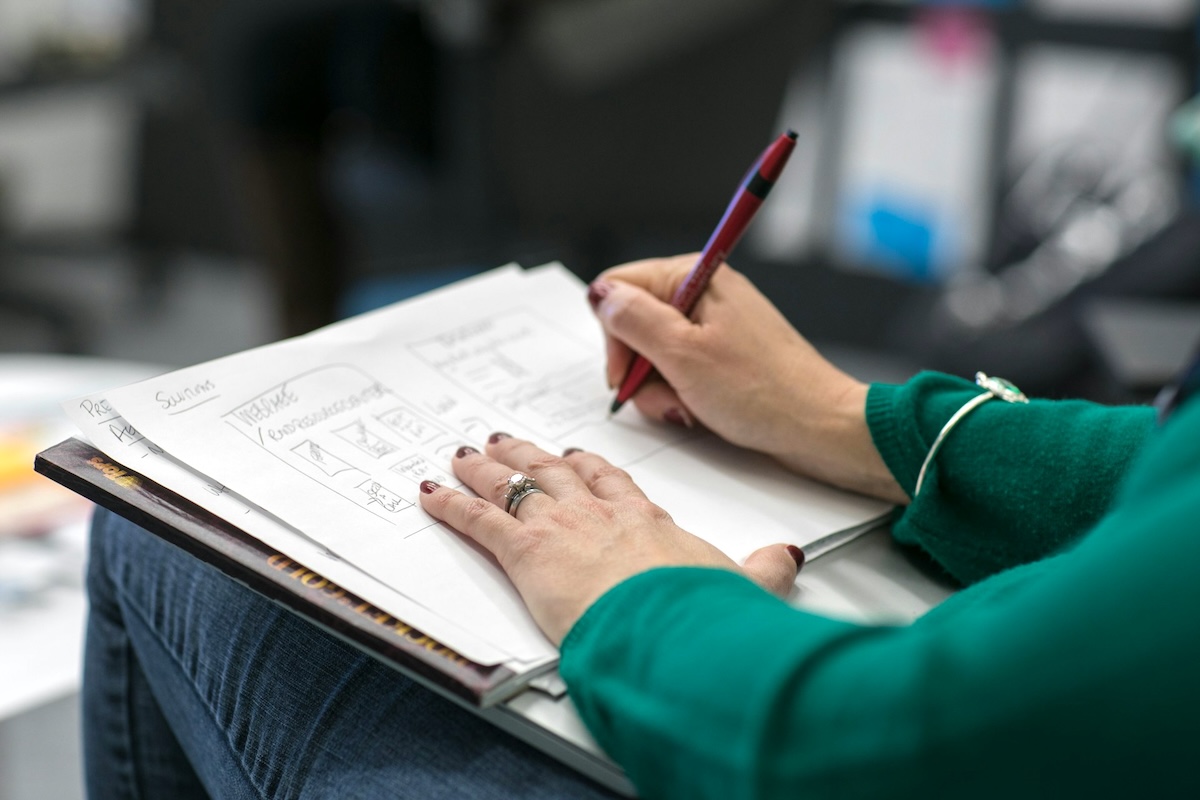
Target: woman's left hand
[{"x": 591, "y": 529}]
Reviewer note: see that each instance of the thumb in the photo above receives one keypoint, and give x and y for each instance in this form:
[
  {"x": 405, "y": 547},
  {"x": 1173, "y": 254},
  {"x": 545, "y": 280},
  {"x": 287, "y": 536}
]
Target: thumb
[
  {"x": 637, "y": 318},
  {"x": 775, "y": 567}
]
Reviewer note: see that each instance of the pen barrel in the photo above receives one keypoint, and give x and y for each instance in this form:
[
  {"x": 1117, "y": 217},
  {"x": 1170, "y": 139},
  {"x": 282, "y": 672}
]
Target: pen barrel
[
  {"x": 720, "y": 245},
  {"x": 738, "y": 214},
  {"x": 639, "y": 370}
]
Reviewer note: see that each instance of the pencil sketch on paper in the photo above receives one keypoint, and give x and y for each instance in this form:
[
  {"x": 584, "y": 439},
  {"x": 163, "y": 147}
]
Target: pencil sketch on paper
[
  {"x": 340, "y": 427},
  {"x": 524, "y": 367},
  {"x": 418, "y": 468},
  {"x": 325, "y": 461},
  {"x": 357, "y": 434},
  {"x": 388, "y": 500},
  {"x": 410, "y": 426}
]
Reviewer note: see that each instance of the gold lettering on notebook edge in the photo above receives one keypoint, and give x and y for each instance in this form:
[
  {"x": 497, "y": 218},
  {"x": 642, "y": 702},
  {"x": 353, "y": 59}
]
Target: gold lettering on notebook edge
[
  {"x": 315, "y": 583},
  {"x": 114, "y": 473}
]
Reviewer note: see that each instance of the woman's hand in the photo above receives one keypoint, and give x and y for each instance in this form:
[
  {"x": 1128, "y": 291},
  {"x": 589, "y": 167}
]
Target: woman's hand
[
  {"x": 739, "y": 368},
  {"x": 592, "y": 529}
]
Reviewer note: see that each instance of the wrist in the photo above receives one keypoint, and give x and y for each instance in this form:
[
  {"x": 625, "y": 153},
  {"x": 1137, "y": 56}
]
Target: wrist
[{"x": 831, "y": 442}]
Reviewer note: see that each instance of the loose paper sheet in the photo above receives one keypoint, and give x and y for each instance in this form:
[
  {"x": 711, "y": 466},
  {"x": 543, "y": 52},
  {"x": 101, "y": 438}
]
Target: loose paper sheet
[
  {"x": 115, "y": 437},
  {"x": 333, "y": 432}
]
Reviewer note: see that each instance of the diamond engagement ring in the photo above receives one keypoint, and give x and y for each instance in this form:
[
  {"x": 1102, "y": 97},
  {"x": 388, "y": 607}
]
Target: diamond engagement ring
[{"x": 519, "y": 487}]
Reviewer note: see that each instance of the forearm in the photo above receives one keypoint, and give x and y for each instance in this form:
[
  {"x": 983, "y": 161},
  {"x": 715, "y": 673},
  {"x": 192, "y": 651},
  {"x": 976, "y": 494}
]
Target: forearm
[
  {"x": 702, "y": 686},
  {"x": 676, "y": 679},
  {"x": 830, "y": 441},
  {"x": 1011, "y": 483},
  {"x": 1073, "y": 676},
  {"x": 1050, "y": 682}
]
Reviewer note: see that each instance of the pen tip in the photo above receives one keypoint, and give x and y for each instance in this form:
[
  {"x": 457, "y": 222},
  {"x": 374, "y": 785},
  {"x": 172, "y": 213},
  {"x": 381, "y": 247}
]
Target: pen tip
[
  {"x": 791, "y": 134},
  {"x": 615, "y": 407}
]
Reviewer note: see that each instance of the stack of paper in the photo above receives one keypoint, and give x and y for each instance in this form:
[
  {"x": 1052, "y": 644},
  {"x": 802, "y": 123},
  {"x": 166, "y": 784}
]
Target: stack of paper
[{"x": 317, "y": 446}]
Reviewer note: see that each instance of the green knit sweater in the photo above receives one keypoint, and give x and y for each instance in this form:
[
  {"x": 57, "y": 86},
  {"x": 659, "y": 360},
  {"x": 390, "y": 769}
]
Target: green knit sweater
[{"x": 1069, "y": 666}]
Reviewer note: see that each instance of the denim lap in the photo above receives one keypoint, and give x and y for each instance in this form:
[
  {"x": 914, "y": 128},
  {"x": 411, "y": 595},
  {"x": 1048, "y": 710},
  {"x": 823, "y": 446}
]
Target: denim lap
[{"x": 195, "y": 685}]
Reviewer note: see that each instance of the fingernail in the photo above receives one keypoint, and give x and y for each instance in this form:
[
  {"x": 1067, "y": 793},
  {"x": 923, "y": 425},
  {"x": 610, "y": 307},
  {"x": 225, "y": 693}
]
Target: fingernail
[
  {"x": 465, "y": 451},
  {"x": 676, "y": 416},
  {"x": 428, "y": 487},
  {"x": 498, "y": 437},
  {"x": 597, "y": 291},
  {"x": 797, "y": 555},
  {"x": 571, "y": 451}
]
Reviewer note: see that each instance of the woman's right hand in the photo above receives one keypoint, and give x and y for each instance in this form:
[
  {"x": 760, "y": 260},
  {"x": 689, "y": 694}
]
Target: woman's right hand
[{"x": 739, "y": 368}]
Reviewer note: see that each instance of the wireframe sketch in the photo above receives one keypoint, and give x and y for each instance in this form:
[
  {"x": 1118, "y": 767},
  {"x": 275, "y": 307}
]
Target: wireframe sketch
[
  {"x": 357, "y": 434},
  {"x": 418, "y": 468},
  {"x": 409, "y": 425},
  {"x": 319, "y": 457},
  {"x": 387, "y": 499},
  {"x": 524, "y": 367}
]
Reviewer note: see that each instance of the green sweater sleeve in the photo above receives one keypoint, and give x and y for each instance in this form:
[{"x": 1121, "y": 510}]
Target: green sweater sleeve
[
  {"x": 1012, "y": 482},
  {"x": 1072, "y": 676}
]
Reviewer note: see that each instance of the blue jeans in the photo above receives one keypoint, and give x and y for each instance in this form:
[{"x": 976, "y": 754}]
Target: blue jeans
[{"x": 194, "y": 686}]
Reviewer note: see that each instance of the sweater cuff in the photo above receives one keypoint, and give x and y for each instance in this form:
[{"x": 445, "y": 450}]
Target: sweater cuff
[{"x": 904, "y": 420}]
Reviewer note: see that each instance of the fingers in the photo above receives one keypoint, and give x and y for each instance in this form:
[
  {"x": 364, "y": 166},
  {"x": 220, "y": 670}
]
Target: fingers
[
  {"x": 488, "y": 477},
  {"x": 775, "y": 567},
  {"x": 658, "y": 276},
  {"x": 641, "y": 321},
  {"x": 617, "y": 359},
  {"x": 657, "y": 399},
  {"x": 602, "y": 478},
  {"x": 657, "y": 279},
  {"x": 561, "y": 477},
  {"x": 475, "y": 517}
]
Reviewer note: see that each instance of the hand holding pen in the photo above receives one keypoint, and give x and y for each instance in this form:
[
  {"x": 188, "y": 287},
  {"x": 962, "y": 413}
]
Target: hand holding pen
[{"x": 749, "y": 197}]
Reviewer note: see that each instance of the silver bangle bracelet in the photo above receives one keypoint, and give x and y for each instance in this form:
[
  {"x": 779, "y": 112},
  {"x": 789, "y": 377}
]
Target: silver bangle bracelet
[{"x": 995, "y": 387}]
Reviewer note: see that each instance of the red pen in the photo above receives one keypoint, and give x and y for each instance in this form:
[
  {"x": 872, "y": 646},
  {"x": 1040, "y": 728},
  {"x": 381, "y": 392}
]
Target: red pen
[{"x": 750, "y": 195}]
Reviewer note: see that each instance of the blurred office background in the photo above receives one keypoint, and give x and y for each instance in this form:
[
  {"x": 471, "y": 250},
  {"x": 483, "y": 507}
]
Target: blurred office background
[{"x": 998, "y": 186}]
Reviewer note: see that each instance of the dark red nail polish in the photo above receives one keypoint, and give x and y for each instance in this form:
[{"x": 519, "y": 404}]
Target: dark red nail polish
[
  {"x": 498, "y": 437},
  {"x": 571, "y": 451},
  {"x": 797, "y": 555},
  {"x": 597, "y": 291},
  {"x": 428, "y": 487},
  {"x": 465, "y": 451},
  {"x": 675, "y": 417}
]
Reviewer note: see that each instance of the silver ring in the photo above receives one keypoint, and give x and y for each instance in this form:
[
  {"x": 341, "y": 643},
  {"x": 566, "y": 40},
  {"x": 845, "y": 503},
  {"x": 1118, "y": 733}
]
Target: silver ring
[{"x": 520, "y": 486}]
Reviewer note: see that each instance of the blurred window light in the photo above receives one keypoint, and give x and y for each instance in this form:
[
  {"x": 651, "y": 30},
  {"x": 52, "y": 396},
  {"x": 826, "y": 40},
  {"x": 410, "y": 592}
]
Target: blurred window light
[
  {"x": 81, "y": 30},
  {"x": 1116, "y": 103},
  {"x": 917, "y": 119}
]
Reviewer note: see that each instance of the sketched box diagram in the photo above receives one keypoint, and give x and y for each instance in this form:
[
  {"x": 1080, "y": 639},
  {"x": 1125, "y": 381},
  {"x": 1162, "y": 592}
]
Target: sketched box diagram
[
  {"x": 418, "y": 468},
  {"x": 384, "y": 497},
  {"x": 410, "y": 425},
  {"x": 322, "y": 459},
  {"x": 357, "y": 434}
]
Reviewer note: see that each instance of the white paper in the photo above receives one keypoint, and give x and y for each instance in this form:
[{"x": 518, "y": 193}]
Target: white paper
[
  {"x": 116, "y": 438},
  {"x": 333, "y": 432}
]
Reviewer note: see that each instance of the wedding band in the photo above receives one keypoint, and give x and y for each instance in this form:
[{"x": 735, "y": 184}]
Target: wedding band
[
  {"x": 996, "y": 387},
  {"x": 520, "y": 486}
]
